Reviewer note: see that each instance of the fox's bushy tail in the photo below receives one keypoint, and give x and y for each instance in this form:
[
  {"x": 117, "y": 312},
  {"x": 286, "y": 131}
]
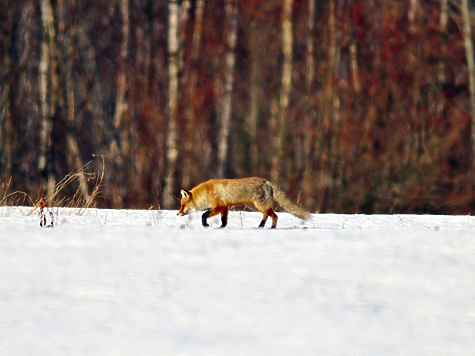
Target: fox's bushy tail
[{"x": 288, "y": 205}]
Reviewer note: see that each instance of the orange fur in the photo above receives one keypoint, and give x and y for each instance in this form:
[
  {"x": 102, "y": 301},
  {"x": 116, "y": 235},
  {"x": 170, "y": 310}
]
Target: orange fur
[{"x": 217, "y": 195}]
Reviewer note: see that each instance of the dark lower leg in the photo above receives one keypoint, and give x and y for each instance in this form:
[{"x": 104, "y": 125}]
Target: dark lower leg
[
  {"x": 263, "y": 222},
  {"x": 224, "y": 217},
  {"x": 204, "y": 218}
]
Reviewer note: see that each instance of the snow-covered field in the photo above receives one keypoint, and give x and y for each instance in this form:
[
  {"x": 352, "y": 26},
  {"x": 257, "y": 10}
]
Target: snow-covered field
[{"x": 123, "y": 282}]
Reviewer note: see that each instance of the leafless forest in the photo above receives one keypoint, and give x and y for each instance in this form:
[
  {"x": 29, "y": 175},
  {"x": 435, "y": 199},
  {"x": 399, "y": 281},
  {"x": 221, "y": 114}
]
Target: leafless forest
[{"x": 351, "y": 106}]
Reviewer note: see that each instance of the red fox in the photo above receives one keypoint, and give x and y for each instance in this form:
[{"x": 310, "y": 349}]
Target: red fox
[{"x": 217, "y": 195}]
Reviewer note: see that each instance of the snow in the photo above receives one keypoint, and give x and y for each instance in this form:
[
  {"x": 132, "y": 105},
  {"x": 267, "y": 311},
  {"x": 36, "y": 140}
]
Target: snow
[{"x": 105, "y": 282}]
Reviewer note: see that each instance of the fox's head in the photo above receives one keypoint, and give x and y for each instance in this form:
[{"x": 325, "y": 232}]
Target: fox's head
[{"x": 187, "y": 205}]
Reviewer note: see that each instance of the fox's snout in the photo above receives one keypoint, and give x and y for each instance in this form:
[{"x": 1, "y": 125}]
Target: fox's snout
[{"x": 183, "y": 211}]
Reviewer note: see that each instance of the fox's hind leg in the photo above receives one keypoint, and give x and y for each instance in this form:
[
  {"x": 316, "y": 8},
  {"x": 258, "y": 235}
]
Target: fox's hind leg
[
  {"x": 224, "y": 217},
  {"x": 264, "y": 219},
  {"x": 274, "y": 218},
  {"x": 267, "y": 212},
  {"x": 263, "y": 203}
]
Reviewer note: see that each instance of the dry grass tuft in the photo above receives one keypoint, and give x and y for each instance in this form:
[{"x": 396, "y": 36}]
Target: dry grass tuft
[
  {"x": 14, "y": 198},
  {"x": 79, "y": 201}
]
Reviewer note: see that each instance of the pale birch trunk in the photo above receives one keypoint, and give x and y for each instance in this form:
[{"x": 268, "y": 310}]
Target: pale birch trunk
[
  {"x": 468, "y": 41},
  {"x": 413, "y": 7},
  {"x": 354, "y": 66},
  {"x": 47, "y": 85},
  {"x": 225, "y": 121},
  {"x": 287, "y": 43},
  {"x": 183, "y": 18},
  {"x": 172, "y": 134}
]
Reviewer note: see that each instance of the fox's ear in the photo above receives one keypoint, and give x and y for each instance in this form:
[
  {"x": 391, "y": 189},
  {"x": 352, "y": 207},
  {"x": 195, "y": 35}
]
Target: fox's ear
[{"x": 185, "y": 194}]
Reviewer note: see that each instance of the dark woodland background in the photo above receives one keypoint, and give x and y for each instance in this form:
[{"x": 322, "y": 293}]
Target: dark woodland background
[{"x": 351, "y": 106}]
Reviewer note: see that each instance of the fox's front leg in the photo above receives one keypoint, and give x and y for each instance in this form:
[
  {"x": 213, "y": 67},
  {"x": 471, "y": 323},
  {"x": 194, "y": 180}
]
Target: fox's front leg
[{"x": 205, "y": 217}]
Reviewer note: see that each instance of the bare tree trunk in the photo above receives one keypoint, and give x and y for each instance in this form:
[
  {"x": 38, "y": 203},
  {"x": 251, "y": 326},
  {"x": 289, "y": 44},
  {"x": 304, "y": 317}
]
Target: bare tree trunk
[
  {"x": 5, "y": 83},
  {"x": 354, "y": 66},
  {"x": 308, "y": 185},
  {"x": 328, "y": 147},
  {"x": 66, "y": 43},
  {"x": 223, "y": 135},
  {"x": 282, "y": 127},
  {"x": 185, "y": 7},
  {"x": 119, "y": 145},
  {"x": 121, "y": 100},
  {"x": 253, "y": 117},
  {"x": 444, "y": 16},
  {"x": 443, "y": 26},
  {"x": 310, "y": 45},
  {"x": 413, "y": 7},
  {"x": 192, "y": 79},
  {"x": 172, "y": 138},
  {"x": 335, "y": 64},
  {"x": 46, "y": 86},
  {"x": 197, "y": 32},
  {"x": 151, "y": 48},
  {"x": 467, "y": 29},
  {"x": 5, "y": 130},
  {"x": 183, "y": 18},
  {"x": 418, "y": 123}
]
